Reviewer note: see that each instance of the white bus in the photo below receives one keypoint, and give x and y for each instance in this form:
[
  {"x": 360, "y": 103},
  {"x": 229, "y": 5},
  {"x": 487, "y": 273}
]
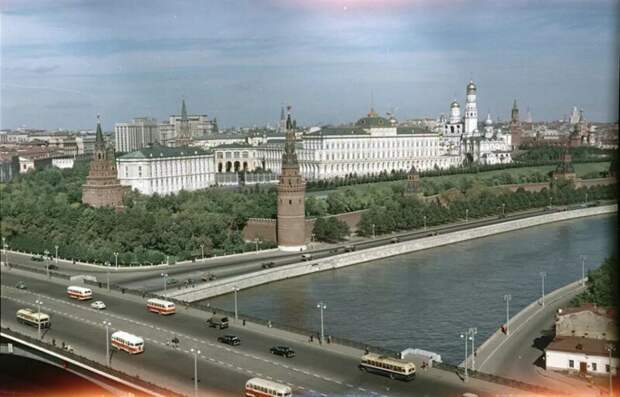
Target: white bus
[
  {"x": 388, "y": 366},
  {"x": 33, "y": 318},
  {"x": 132, "y": 344},
  {"x": 257, "y": 387},
  {"x": 160, "y": 306},
  {"x": 79, "y": 293}
]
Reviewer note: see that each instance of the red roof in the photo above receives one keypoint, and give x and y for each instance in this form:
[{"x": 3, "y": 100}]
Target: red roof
[{"x": 575, "y": 344}]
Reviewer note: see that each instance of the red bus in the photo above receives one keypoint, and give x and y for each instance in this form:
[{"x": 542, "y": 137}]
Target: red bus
[
  {"x": 257, "y": 387},
  {"x": 79, "y": 293},
  {"x": 125, "y": 341},
  {"x": 160, "y": 306}
]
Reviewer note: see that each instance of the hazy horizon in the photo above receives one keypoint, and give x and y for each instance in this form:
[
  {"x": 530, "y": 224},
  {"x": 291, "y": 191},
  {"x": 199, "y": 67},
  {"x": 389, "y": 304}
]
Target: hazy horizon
[{"x": 64, "y": 62}]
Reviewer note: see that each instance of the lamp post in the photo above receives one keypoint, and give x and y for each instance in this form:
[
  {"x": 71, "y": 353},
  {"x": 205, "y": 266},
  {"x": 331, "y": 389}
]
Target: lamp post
[
  {"x": 116, "y": 260},
  {"x": 107, "y": 265},
  {"x": 46, "y": 253},
  {"x": 165, "y": 276},
  {"x": 550, "y": 200},
  {"x": 6, "y": 258},
  {"x": 472, "y": 332},
  {"x": 424, "y": 222},
  {"x": 235, "y": 290},
  {"x": 542, "y": 276},
  {"x": 196, "y": 352},
  {"x": 322, "y": 307},
  {"x": 168, "y": 260},
  {"x": 39, "y": 303},
  {"x": 507, "y": 298},
  {"x": 583, "y": 270},
  {"x": 256, "y": 241},
  {"x": 373, "y": 230},
  {"x": 466, "y": 214},
  {"x": 465, "y": 337},
  {"x": 586, "y": 198},
  {"x": 56, "y": 247},
  {"x": 107, "y": 326},
  {"x": 503, "y": 210},
  {"x": 610, "y": 349},
  {"x": 202, "y": 251}
]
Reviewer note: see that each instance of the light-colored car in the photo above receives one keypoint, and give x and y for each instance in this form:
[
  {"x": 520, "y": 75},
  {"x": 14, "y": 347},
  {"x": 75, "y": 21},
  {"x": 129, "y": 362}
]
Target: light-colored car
[{"x": 99, "y": 305}]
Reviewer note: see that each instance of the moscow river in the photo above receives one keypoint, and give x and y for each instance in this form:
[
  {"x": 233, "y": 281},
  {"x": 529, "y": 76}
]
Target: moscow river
[{"x": 427, "y": 298}]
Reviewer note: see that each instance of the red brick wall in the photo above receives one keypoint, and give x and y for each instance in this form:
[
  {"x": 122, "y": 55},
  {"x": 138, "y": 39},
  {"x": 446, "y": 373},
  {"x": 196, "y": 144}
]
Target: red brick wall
[
  {"x": 595, "y": 182},
  {"x": 264, "y": 229}
]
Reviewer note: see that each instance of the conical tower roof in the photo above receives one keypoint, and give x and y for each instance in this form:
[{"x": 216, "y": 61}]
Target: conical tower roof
[{"x": 183, "y": 111}]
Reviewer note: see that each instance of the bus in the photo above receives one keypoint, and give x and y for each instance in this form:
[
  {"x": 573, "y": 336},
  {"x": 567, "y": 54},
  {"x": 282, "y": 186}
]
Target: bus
[
  {"x": 388, "y": 366},
  {"x": 132, "y": 344},
  {"x": 33, "y": 318},
  {"x": 257, "y": 387},
  {"x": 79, "y": 293},
  {"x": 160, "y": 306}
]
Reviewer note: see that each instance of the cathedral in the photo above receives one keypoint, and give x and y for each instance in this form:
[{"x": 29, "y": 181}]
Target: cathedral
[{"x": 461, "y": 136}]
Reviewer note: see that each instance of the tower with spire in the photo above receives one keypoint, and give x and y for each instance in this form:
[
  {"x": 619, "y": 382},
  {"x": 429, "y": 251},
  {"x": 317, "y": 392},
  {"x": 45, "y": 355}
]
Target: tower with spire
[
  {"x": 291, "y": 223},
  {"x": 471, "y": 110},
  {"x": 184, "y": 134},
  {"x": 515, "y": 126},
  {"x": 102, "y": 188}
]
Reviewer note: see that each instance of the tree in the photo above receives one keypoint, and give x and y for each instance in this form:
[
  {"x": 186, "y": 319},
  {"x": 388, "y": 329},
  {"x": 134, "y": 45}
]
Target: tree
[
  {"x": 330, "y": 229},
  {"x": 602, "y": 285}
]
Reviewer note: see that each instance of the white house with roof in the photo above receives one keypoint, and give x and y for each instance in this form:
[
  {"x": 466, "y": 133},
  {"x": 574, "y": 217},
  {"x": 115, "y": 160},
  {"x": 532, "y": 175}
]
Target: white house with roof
[{"x": 166, "y": 170}]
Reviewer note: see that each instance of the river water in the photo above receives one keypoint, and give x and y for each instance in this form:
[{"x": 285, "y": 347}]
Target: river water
[{"x": 426, "y": 299}]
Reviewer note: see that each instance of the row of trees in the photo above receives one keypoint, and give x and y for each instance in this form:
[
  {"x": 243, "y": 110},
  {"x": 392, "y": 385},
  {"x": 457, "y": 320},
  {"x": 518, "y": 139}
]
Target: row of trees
[
  {"x": 553, "y": 153},
  {"x": 405, "y": 212},
  {"x": 43, "y": 209}
]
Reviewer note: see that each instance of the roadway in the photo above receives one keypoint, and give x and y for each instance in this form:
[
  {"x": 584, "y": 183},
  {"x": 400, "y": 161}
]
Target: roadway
[
  {"x": 150, "y": 280},
  {"x": 316, "y": 370}
]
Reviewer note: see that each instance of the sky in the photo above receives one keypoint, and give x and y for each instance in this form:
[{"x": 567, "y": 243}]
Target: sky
[{"x": 65, "y": 61}]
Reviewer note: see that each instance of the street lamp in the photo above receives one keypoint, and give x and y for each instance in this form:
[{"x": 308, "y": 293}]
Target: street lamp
[
  {"x": 196, "y": 352},
  {"x": 542, "y": 276},
  {"x": 107, "y": 326},
  {"x": 116, "y": 260},
  {"x": 610, "y": 349},
  {"x": 583, "y": 270},
  {"x": 424, "y": 222},
  {"x": 322, "y": 307},
  {"x": 56, "y": 247},
  {"x": 107, "y": 266},
  {"x": 165, "y": 275},
  {"x": 235, "y": 290},
  {"x": 202, "y": 250},
  {"x": 466, "y": 214},
  {"x": 507, "y": 298},
  {"x": 586, "y": 197},
  {"x": 550, "y": 199},
  {"x": 373, "y": 230},
  {"x": 466, "y": 337},
  {"x": 39, "y": 303},
  {"x": 472, "y": 332},
  {"x": 503, "y": 210},
  {"x": 47, "y": 254},
  {"x": 6, "y": 257},
  {"x": 256, "y": 241}
]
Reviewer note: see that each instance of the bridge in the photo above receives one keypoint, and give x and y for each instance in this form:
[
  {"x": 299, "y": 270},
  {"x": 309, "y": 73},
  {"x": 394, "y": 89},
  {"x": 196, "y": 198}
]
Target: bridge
[{"x": 316, "y": 370}]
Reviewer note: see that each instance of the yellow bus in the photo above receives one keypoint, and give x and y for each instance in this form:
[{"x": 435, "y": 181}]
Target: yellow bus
[
  {"x": 33, "y": 318},
  {"x": 388, "y": 366}
]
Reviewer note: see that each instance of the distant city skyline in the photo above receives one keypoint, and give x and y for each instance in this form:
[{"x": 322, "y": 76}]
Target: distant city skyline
[{"x": 64, "y": 62}]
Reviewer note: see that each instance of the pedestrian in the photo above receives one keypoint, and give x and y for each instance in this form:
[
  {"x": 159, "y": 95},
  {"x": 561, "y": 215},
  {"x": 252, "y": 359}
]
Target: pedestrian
[
  {"x": 269, "y": 323},
  {"x": 244, "y": 322},
  {"x": 63, "y": 345},
  {"x": 53, "y": 342},
  {"x": 311, "y": 338}
]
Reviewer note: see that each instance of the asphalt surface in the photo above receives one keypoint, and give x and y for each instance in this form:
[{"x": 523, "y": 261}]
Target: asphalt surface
[{"x": 222, "y": 369}]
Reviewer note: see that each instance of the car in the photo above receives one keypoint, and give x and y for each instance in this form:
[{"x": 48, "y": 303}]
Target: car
[
  {"x": 21, "y": 285},
  {"x": 208, "y": 277},
  {"x": 52, "y": 267},
  {"x": 172, "y": 281},
  {"x": 306, "y": 257},
  {"x": 99, "y": 305},
  {"x": 394, "y": 240},
  {"x": 229, "y": 340},
  {"x": 37, "y": 258},
  {"x": 218, "y": 321},
  {"x": 284, "y": 351},
  {"x": 349, "y": 248},
  {"x": 268, "y": 265}
]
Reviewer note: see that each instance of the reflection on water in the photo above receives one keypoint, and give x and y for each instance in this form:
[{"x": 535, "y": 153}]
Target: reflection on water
[{"x": 425, "y": 299}]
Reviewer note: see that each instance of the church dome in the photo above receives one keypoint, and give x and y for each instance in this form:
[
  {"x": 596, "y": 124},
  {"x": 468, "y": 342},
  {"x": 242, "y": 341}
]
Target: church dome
[
  {"x": 455, "y": 104},
  {"x": 488, "y": 121},
  {"x": 471, "y": 86}
]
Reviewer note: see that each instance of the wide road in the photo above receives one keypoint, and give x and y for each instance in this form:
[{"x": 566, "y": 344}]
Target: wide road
[{"x": 315, "y": 370}]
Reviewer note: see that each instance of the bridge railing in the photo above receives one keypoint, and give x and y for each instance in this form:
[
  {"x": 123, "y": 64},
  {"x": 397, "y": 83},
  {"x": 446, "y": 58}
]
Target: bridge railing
[
  {"x": 52, "y": 273},
  {"x": 130, "y": 379}
]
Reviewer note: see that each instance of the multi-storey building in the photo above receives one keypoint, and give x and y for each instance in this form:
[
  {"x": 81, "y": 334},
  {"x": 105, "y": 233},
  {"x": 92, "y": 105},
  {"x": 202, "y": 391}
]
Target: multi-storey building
[
  {"x": 166, "y": 170},
  {"x": 181, "y": 129},
  {"x": 140, "y": 132}
]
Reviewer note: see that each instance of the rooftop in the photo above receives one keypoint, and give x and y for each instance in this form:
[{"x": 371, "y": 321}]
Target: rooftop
[
  {"x": 575, "y": 344},
  {"x": 164, "y": 151}
]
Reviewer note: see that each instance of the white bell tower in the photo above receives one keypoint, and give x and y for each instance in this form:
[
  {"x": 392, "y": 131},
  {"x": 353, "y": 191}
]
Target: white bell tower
[{"x": 471, "y": 110}]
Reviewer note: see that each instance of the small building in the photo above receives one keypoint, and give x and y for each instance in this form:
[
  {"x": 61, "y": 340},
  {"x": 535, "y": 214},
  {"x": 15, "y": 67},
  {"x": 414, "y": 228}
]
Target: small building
[
  {"x": 583, "y": 355},
  {"x": 587, "y": 321}
]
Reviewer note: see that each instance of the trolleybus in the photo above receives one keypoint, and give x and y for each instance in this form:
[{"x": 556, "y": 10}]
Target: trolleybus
[
  {"x": 257, "y": 387},
  {"x": 160, "y": 306},
  {"x": 132, "y": 344},
  {"x": 79, "y": 293},
  {"x": 388, "y": 366},
  {"x": 33, "y": 318}
]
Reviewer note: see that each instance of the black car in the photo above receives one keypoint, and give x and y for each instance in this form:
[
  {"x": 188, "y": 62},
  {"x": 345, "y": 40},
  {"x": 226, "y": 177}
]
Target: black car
[
  {"x": 268, "y": 265},
  {"x": 52, "y": 267},
  {"x": 229, "y": 340},
  {"x": 283, "y": 351},
  {"x": 37, "y": 258}
]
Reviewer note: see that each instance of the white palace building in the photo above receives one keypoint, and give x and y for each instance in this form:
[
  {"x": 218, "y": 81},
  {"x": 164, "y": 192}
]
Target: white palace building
[{"x": 372, "y": 145}]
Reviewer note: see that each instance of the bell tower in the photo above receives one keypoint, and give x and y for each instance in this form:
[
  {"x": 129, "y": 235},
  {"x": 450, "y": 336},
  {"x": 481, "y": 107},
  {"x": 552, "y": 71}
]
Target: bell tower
[{"x": 291, "y": 190}]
